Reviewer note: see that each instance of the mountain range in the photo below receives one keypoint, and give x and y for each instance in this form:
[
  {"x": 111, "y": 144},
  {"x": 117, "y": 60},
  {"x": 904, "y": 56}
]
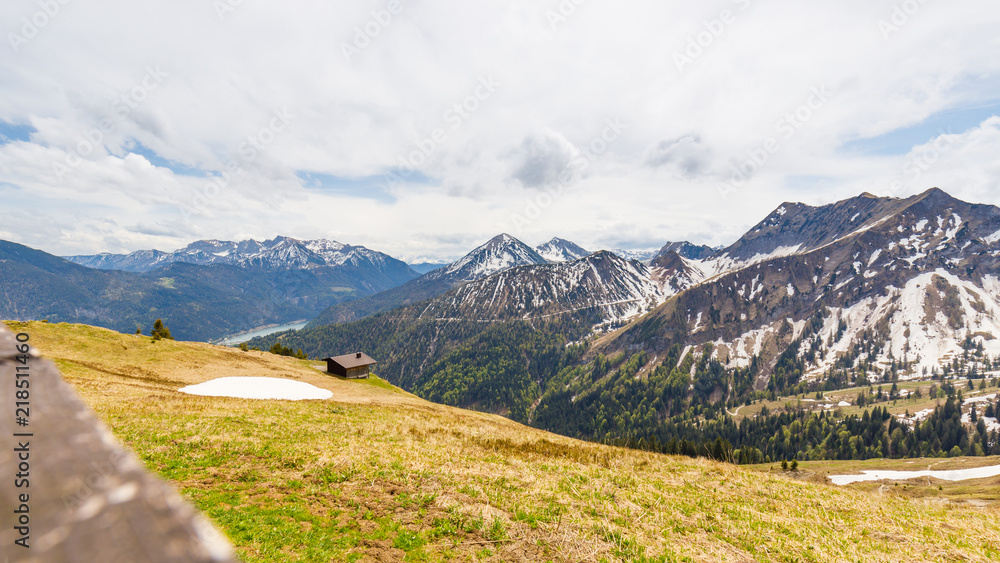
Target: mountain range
[
  {"x": 502, "y": 252},
  {"x": 279, "y": 253},
  {"x": 862, "y": 289},
  {"x": 204, "y": 291},
  {"x": 865, "y": 281},
  {"x": 865, "y": 289},
  {"x": 211, "y": 288},
  {"x": 590, "y": 344}
]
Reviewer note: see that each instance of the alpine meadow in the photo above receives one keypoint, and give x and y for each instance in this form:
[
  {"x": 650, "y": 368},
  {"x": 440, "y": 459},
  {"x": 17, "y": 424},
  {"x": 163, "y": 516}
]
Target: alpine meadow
[{"x": 499, "y": 281}]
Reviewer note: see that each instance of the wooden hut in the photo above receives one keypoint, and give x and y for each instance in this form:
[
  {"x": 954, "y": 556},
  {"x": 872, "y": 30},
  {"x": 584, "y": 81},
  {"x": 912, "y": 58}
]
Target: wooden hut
[{"x": 352, "y": 366}]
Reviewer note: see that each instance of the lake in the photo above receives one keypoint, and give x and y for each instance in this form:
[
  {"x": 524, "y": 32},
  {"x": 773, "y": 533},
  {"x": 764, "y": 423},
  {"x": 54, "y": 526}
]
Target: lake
[
  {"x": 946, "y": 475},
  {"x": 264, "y": 331}
]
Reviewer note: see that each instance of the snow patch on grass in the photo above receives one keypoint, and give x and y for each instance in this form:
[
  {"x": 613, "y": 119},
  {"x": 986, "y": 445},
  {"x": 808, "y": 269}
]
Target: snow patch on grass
[
  {"x": 257, "y": 388},
  {"x": 952, "y": 475}
]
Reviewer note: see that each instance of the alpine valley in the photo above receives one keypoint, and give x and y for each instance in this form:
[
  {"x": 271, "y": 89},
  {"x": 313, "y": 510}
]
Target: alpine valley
[
  {"x": 725, "y": 352},
  {"x": 859, "y": 292},
  {"x": 207, "y": 290}
]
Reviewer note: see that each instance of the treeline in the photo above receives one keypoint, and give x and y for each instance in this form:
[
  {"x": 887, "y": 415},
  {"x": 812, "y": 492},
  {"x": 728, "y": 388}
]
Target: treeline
[
  {"x": 503, "y": 369},
  {"x": 494, "y": 366},
  {"x": 675, "y": 402},
  {"x": 803, "y": 435},
  {"x": 623, "y": 401}
]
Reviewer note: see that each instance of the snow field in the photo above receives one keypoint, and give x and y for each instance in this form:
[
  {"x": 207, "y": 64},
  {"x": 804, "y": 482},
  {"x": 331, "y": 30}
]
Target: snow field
[{"x": 257, "y": 388}]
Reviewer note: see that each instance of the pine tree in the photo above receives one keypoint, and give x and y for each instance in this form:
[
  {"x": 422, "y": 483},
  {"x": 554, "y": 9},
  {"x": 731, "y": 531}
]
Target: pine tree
[{"x": 160, "y": 331}]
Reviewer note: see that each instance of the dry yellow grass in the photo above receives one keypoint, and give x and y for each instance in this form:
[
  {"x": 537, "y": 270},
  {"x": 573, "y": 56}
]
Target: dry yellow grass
[{"x": 377, "y": 474}]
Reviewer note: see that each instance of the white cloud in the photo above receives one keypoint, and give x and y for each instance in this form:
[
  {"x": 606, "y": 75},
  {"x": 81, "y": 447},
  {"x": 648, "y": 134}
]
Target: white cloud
[{"x": 202, "y": 90}]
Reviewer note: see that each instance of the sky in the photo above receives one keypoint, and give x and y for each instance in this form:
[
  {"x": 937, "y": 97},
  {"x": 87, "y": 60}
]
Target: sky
[{"x": 423, "y": 128}]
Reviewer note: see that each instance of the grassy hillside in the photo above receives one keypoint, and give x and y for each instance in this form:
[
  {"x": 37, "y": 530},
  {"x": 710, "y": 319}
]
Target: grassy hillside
[
  {"x": 971, "y": 492},
  {"x": 378, "y": 474},
  {"x": 911, "y": 401}
]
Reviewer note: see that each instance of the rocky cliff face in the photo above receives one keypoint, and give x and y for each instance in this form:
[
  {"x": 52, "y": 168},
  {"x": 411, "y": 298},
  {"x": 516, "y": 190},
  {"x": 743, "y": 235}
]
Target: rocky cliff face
[{"x": 866, "y": 282}]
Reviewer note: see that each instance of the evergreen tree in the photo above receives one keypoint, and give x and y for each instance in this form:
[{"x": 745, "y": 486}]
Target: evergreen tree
[{"x": 160, "y": 331}]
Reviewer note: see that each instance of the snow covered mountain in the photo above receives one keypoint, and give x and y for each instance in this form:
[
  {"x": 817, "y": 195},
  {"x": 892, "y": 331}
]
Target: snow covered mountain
[
  {"x": 613, "y": 287},
  {"x": 560, "y": 250},
  {"x": 602, "y": 287},
  {"x": 504, "y": 278},
  {"x": 279, "y": 253},
  {"x": 500, "y": 253},
  {"x": 687, "y": 250},
  {"x": 866, "y": 286},
  {"x": 644, "y": 256}
]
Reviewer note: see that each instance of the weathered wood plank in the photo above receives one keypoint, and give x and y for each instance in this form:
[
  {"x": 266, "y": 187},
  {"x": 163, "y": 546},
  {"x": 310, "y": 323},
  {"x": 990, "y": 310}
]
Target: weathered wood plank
[{"x": 89, "y": 499}]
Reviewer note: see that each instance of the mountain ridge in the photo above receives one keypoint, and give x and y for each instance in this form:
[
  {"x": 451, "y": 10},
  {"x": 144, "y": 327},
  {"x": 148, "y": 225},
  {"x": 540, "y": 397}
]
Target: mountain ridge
[
  {"x": 872, "y": 290},
  {"x": 281, "y": 252},
  {"x": 899, "y": 240},
  {"x": 500, "y": 253},
  {"x": 198, "y": 302}
]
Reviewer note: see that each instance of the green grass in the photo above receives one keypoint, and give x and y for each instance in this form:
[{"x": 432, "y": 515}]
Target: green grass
[{"x": 375, "y": 473}]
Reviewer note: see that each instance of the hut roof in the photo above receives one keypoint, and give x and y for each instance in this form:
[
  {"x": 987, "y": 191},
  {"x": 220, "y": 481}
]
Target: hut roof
[{"x": 357, "y": 359}]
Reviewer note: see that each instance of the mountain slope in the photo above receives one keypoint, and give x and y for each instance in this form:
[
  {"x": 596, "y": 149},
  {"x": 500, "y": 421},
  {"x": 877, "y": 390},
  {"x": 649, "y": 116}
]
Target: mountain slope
[
  {"x": 500, "y": 253},
  {"x": 197, "y": 302},
  {"x": 379, "y": 474},
  {"x": 515, "y": 325},
  {"x": 903, "y": 279},
  {"x": 910, "y": 291},
  {"x": 797, "y": 228},
  {"x": 313, "y": 274},
  {"x": 612, "y": 288}
]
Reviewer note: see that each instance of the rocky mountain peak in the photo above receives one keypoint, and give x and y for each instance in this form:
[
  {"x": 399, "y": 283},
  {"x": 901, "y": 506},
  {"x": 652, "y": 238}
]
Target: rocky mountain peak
[
  {"x": 560, "y": 250},
  {"x": 687, "y": 250},
  {"x": 499, "y": 253}
]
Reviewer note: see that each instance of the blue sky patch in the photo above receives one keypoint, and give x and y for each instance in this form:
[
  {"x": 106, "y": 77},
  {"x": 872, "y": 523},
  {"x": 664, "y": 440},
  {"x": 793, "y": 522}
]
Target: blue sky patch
[
  {"x": 378, "y": 188},
  {"x": 157, "y": 160},
  {"x": 10, "y": 132},
  {"x": 901, "y": 141}
]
